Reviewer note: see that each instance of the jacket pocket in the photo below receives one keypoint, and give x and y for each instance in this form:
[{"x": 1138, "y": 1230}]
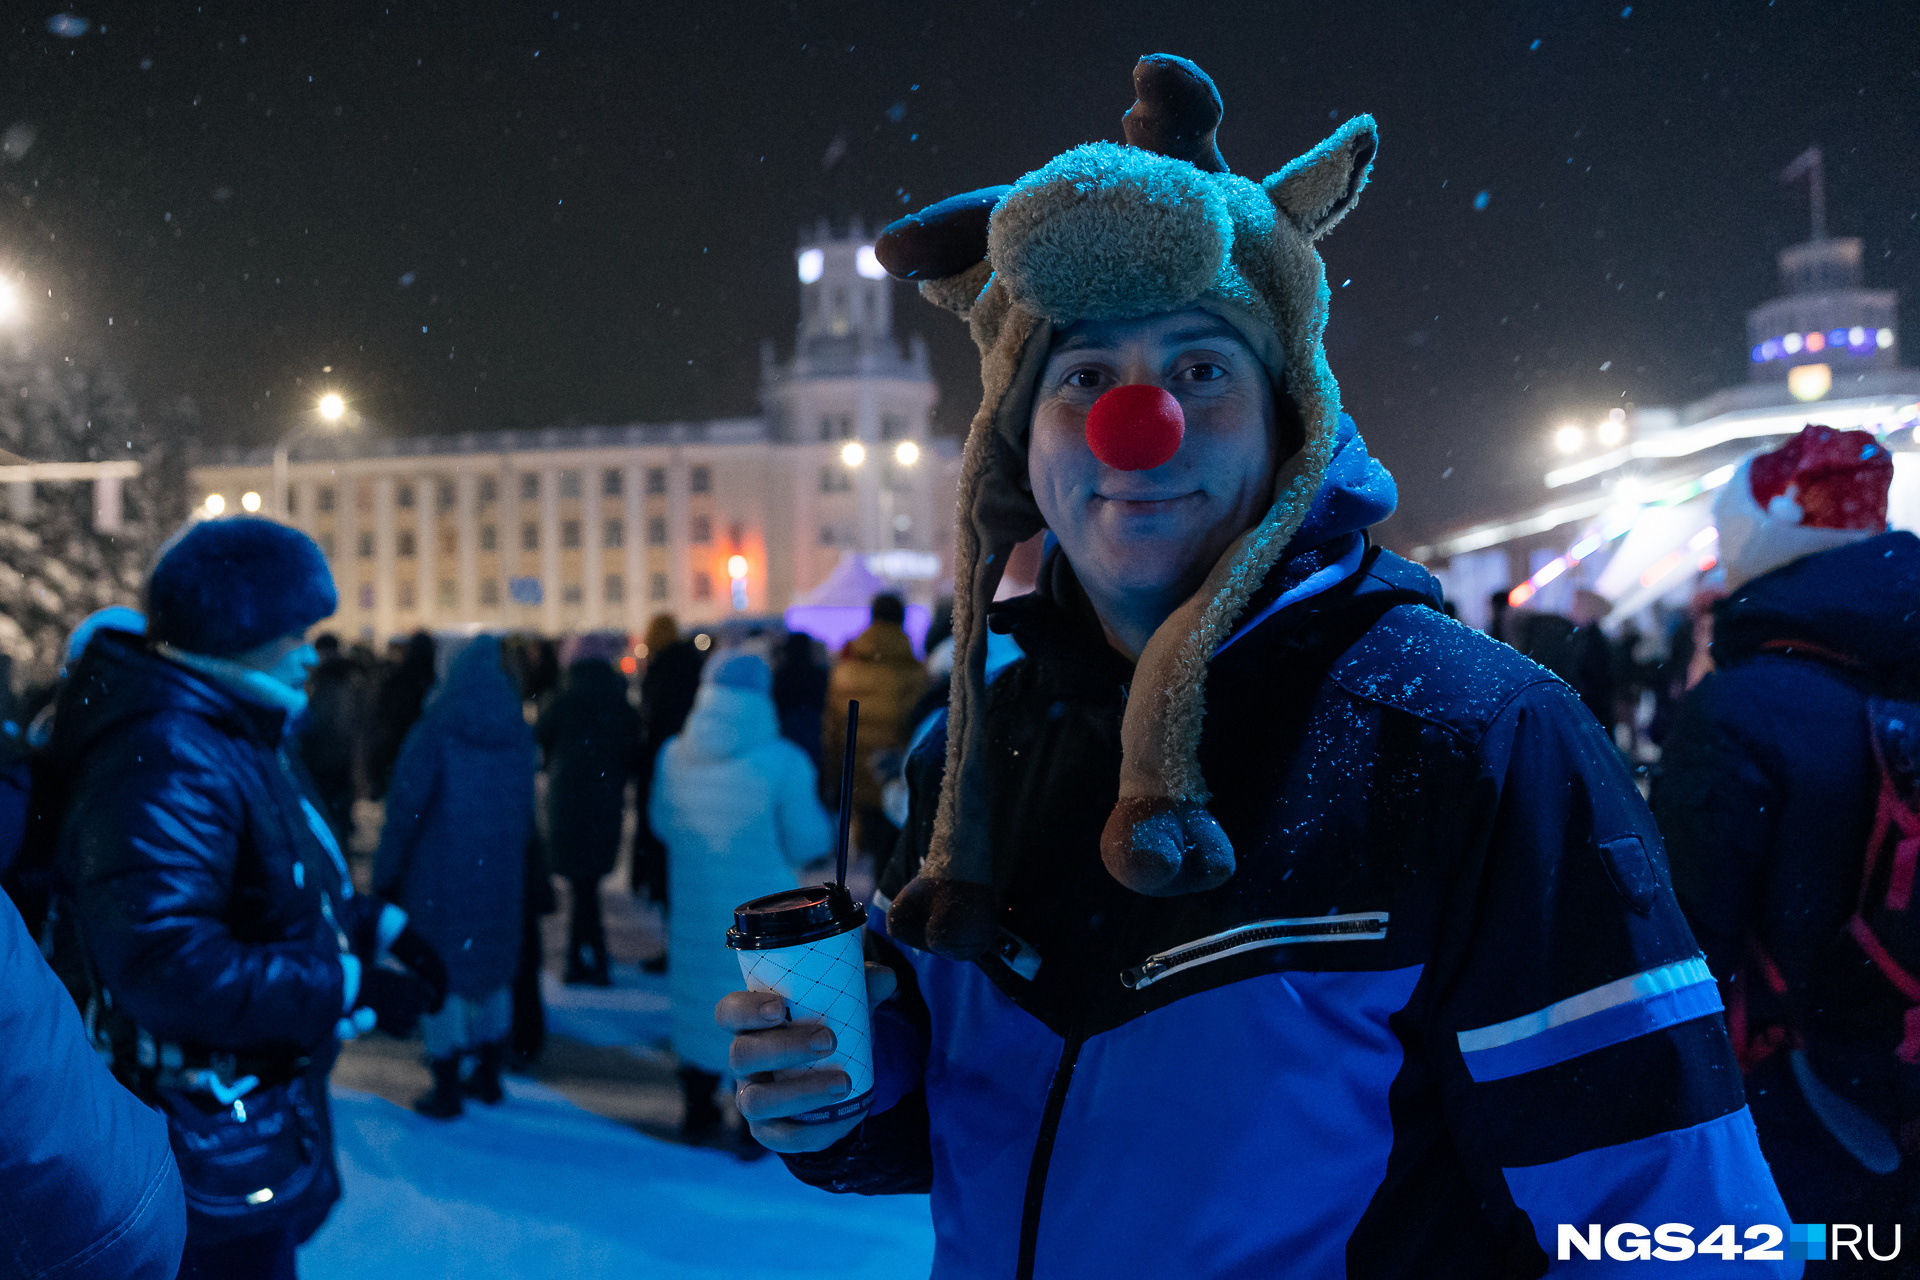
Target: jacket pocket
[{"x": 1359, "y": 926}]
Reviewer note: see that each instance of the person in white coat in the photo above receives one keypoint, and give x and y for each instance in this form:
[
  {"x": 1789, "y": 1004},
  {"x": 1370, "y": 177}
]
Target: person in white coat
[{"x": 737, "y": 807}]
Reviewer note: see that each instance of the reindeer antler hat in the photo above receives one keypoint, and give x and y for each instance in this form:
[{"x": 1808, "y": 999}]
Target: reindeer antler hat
[{"x": 1107, "y": 231}]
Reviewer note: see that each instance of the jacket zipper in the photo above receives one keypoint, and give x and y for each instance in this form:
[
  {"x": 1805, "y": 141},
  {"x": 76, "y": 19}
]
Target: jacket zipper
[
  {"x": 1043, "y": 1152},
  {"x": 1361, "y": 926}
]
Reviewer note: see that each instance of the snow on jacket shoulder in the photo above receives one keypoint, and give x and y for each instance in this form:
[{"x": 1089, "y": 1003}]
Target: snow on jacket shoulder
[
  {"x": 1446, "y": 1004},
  {"x": 735, "y": 803},
  {"x": 88, "y": 1188}
]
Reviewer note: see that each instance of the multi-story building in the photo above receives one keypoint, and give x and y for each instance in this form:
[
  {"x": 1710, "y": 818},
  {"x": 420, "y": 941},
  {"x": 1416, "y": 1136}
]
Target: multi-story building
[{"x": 591, "y": 528}]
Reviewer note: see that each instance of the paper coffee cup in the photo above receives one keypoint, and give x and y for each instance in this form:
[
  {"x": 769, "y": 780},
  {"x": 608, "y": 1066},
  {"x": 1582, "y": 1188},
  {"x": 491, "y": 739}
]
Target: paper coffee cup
[{"x": 804, "y": 945}]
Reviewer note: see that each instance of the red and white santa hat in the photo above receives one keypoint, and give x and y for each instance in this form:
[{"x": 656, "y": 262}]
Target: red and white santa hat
[{"x": 1822, "y": 489}]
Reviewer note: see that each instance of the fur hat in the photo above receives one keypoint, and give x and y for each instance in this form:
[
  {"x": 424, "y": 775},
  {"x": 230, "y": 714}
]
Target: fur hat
[
  {"x": 1112, "y": 231},
  {"x": 222, "y": 587},
  {"x": 1822, "y": 489}
]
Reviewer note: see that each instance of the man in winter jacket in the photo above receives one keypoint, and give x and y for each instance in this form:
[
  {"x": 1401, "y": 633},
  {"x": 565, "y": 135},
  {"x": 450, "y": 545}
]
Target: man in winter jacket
[
  {"x": 877, "y": 669},
  {"x": 1768, "y": 796},
  {"x": 1260, "y": 920},
  {"x": 225, "y": 949}
]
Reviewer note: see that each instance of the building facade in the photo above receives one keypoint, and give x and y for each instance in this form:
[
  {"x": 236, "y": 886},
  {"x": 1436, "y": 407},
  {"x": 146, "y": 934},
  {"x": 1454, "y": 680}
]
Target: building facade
[{"x": 598, "y": 528}]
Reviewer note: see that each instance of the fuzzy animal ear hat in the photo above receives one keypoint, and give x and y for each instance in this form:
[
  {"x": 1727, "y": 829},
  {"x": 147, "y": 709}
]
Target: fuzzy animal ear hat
[{"x": 1109, "y": 231}]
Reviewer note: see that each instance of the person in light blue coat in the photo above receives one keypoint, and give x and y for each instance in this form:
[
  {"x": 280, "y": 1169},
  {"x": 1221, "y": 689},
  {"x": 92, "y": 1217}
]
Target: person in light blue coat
[{"x": 735, "y": 803}]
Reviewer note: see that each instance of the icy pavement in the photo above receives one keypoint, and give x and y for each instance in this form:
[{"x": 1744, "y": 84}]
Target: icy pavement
[{"x": 538, "y": 1188}]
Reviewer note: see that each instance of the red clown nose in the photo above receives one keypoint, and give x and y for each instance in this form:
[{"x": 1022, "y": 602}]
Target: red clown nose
[{"x": 1135, "y": 427}]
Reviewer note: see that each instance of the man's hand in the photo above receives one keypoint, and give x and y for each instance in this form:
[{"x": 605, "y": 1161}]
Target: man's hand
[{"x": 770, "y": 1057}]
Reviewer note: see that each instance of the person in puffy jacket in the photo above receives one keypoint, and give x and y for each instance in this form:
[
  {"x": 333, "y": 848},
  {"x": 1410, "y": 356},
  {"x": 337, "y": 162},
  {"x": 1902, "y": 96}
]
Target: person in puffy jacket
[
  {"x": 589, "y": 736},
  {"x": 734, "y": 802},
  {"x": 224, "y": 946},
  {"x": 88, "y": 1187},
  {"x": 1767, "y": 796},
  {"x": 459, "y": 811},
  {"x": 878, "y": 670}
]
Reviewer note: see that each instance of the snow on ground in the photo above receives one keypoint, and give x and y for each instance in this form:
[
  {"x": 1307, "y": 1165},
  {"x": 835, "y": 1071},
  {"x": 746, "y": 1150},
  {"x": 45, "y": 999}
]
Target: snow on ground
[
  {"x": 634, "y": 1012},
  {"x": 537, "y": 1189}
]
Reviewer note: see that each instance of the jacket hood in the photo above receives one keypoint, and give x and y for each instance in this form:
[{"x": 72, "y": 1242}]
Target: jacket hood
[
  {"x": 119, "y": 680},
  {"x": 728, "y": 722},
  {"x": 477, "y": 702},
  {"x": 1861, "y": 601},
  {"x": 1356, "y": 493}
]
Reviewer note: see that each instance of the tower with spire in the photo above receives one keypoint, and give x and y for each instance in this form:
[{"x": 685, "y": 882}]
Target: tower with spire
[{"x": 861, "y": 400}]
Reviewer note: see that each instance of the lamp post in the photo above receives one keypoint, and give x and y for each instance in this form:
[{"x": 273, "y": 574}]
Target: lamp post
[{"x": 331, "y": 409}]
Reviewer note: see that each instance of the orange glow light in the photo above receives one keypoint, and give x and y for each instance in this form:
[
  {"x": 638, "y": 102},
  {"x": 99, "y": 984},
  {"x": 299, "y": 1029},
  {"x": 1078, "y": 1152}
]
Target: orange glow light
[{"x": 629, "y": 665}]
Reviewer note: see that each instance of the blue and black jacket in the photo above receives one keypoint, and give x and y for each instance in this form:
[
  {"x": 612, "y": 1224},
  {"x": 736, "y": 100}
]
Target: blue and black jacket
[{"x": 1446, "y": 1004}]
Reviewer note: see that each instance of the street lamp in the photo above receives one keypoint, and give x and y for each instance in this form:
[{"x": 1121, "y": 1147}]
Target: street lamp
[
  {"x": 215, "y": 504},
  {"x": 331, "y": 408},
  {"x": 853, "y": 453},
  {"x": 1569, "y": 439},
  {"x": 906, "y": 453},
  {"x": 250, "y": 501},
  {"x": 9, "y": 300}
]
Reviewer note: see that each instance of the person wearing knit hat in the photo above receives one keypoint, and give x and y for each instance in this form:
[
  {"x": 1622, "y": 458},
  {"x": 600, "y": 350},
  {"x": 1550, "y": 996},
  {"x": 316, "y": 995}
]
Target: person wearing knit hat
[
  {"x": 225, "y": 950},
  {"x": 1260, "y": 919},
  {"x": 1787, "y": 796}
]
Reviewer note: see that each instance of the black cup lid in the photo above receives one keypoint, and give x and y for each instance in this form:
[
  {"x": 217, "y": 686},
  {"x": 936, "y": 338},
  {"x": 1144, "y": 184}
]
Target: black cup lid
[{"x": 794, "y": 917}]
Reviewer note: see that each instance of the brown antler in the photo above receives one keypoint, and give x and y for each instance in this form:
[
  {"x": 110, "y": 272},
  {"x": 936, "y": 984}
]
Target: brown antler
[
  {"x": 1176, "y": 111},
  {"x": 942, "y": 239}
]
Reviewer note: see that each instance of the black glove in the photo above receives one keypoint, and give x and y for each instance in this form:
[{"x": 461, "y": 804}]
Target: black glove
[
  {"x": 397, "y": 999},
  {"x": 423, "y": 962}
]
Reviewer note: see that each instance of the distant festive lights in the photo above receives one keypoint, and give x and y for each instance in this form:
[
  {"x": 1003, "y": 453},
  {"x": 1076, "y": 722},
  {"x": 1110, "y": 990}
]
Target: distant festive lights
[{"x": 1857, "y": 341}]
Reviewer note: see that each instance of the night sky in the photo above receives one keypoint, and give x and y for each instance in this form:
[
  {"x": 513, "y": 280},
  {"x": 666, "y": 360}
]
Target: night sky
[{"x": 487, "y": 216}]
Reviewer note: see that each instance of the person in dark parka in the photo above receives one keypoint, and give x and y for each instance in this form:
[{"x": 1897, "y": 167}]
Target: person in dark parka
[
  {"x": 800, "y": 693},
  {"x": 1767, "y": 796},
  {"x": 401, "y": 693},
  {"x": 667, "y": 691},
  {"x": 88, "y": 1187},
  {"x": 227, "y": 948},
  {"x": 459, "y": 810},
  {"x": 328, "y": 732},
  {"x": 589, "y": 736}
]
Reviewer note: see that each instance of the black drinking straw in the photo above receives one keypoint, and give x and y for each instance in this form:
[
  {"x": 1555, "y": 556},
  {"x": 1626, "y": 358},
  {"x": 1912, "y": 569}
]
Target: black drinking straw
[{"x": 846, "y": 793}]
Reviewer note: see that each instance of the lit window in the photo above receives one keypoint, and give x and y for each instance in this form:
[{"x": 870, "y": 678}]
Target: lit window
[
  {"x": 702, "y": 585},
  {"x": 569, "y": 484},
  {"x": 657, "y": 586},
  {"x": 570, "y": 535},
  {"x": 867, "y": 263},
  {"x": 488, "y": 538},
  {"x": 1883, "y": 339},
  {"x": 700, "y": 480},
  {"x": 529, "y": 537},
  {"x": 700, "y": 530},
  {"x": 812, "y": 264},
  {"x": 616, "y": 534}
]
